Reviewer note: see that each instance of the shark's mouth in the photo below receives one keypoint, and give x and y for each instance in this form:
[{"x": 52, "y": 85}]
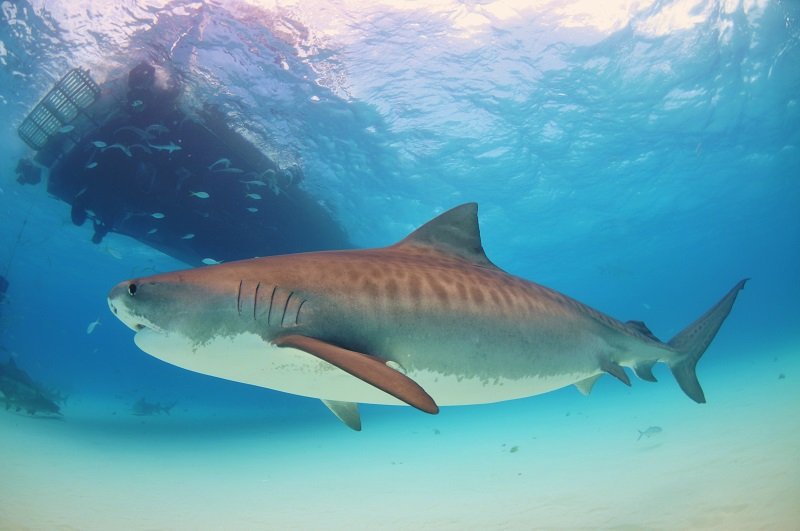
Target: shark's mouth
[
  {"x": 134, "y": 322},
  {"x": 144, "y": 327}
]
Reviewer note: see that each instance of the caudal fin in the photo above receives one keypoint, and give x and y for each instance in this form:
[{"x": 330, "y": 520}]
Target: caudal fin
[{"x": 693, "y": 341}]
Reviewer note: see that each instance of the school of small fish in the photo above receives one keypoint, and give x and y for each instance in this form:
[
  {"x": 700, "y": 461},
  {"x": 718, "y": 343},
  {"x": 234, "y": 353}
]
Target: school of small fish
[{"x": 148, "y": 137}]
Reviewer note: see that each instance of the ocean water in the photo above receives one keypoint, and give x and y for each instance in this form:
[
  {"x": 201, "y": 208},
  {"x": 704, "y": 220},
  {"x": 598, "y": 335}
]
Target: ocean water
[{"x": 641, "y": 157}]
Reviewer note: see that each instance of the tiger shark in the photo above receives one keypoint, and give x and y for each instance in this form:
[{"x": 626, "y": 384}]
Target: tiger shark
[{"x": 427, "y": 322}]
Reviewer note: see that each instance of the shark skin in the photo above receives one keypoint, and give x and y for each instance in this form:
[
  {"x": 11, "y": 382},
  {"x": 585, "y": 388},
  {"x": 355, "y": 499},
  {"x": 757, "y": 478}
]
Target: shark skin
[{"x": 427, "y": 322}]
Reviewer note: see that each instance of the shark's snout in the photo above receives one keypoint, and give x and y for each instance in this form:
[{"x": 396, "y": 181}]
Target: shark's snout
[{"x": 120, "y": 300}]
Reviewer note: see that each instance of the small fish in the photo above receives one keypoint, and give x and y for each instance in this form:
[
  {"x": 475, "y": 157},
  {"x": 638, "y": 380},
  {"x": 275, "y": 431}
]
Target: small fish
[
  {"x": 649, "y": 432},
  {"x": 210, "y": 261},
  {"x": 91, "y": 165},
  {"x": 172, "y": 146},
  {"x": 67, "y": 129},
  {"x": 120, "y": 147},
  {"x": 254, "y": 182},
  {"x": 99, "y": 144},
  {"x": 82, "y": 191},
  {"x": 152, "y": 231},
  {"x": 200, "y": 195},
  {"x": 187, "y": 236},
  {"x": 156, "y": 129},
  {"x": 252, "y": 209},
  {"x": 135, "y": 130},
  {"x": 92, "y": 326},
  {"x": 158, "y": 215},
  {"x": 139, "y": 146},
  {"x": 221, "y": 162},
  {"x": 113, "y": 252},
  {"x": 254, "y": 196},
  {"x": 137, "y": 103},
  {"x": 228, "y": 170}
]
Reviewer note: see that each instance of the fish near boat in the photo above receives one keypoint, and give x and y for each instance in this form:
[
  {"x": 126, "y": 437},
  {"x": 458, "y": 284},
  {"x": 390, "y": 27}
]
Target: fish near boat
[{"x": 429, "y": 321}]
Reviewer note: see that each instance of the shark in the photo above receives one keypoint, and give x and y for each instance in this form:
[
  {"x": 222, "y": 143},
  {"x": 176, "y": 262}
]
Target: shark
[
  {"x": 143, "y": 408},
  {"x": 20, "y": 391},
  {"x": 427, "y": 322}
]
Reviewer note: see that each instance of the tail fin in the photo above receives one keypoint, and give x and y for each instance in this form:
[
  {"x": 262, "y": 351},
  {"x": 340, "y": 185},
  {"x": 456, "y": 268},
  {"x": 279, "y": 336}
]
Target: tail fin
[{"x": 693, "y": 341}]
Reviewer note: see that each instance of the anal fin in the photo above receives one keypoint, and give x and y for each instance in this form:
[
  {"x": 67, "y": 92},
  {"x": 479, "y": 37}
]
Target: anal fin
[
  {"x": 347, "y": 412},
  {"x": 370, "y": 369},
  {"x": 644, "y": 370}
]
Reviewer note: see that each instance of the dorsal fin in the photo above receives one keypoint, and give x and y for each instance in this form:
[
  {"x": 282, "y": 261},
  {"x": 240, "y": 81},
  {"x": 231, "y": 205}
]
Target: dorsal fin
[{"x": 454, "y": 232}]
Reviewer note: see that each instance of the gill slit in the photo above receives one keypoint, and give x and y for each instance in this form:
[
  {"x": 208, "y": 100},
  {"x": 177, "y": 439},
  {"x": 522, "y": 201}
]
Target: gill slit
[
  {"x": 285, "y": 306},
  {"x": 271, "y": 300},
  {"x": 239, "y": 299},
  {"x": 255, "y": 300},
  {"x": 297, "y": 315}
]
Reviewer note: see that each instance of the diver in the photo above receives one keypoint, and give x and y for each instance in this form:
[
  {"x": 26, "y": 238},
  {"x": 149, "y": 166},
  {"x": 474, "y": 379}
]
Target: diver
[
  {"x": 28, "y": 172},
  {"x": 126, "y": 144},
  {"x": 145, "y": 96}
]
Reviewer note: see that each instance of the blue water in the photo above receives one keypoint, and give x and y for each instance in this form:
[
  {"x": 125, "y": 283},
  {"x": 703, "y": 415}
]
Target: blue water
[{"x": 641, "y": 161}]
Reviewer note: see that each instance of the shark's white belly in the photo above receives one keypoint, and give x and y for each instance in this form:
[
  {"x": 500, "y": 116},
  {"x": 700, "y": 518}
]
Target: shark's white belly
[{"x": 247, "y": 358}]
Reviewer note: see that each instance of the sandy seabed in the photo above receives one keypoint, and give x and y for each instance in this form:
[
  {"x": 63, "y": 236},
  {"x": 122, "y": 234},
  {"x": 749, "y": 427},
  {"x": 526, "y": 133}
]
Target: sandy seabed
[{"x": 559, "y": 461}]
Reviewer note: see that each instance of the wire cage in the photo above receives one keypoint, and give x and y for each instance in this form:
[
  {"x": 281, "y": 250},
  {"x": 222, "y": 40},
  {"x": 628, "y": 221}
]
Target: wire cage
[{"x": 65, "y": 101}]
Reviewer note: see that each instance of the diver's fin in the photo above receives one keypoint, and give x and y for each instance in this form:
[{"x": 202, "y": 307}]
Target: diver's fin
[
  {"x": 585, "y": 386},
  {"x": 615, "y": 369},
  {"x": 372, "y": 370},
  {"x": 347, "y": 412},
  {"x": 644, "y": 370},
  {"x": 693, "y": 341}
]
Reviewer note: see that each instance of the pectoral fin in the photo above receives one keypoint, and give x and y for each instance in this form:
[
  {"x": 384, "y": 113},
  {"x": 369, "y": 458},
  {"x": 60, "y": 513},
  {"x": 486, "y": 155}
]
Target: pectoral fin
[
  {"x": 347, "y": 412},
  {"x": 372, "y": 370}
]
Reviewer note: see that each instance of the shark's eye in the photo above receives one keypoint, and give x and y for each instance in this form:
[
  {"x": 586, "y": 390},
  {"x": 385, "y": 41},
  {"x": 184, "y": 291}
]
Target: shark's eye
[{"x": 132, "y": 289}]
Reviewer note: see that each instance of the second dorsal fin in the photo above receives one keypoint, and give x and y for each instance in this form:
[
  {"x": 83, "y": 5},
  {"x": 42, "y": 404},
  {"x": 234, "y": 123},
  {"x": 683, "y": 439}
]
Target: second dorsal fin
[
  {"x": 640, "y": 327},
  {"x": 454, "y": 232}
]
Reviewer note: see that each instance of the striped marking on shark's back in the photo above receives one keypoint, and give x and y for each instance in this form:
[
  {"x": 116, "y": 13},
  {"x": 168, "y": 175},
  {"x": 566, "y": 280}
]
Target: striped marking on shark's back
[
  {"x": 435, "y": 282},
  {"x": 422, "y": 279}
]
